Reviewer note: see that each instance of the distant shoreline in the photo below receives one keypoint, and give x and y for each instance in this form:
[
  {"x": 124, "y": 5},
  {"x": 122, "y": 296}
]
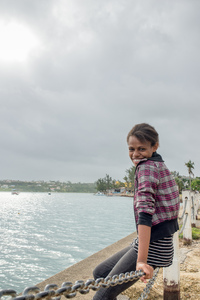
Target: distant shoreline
[{"x": 46, "y": 186}]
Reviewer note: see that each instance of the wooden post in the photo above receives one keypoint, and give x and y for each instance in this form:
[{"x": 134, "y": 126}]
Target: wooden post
[{"x": 171, "y": 275}]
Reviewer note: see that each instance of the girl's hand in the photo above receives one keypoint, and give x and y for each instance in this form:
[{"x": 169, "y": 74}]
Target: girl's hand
[{"x": 147, "y": 269}]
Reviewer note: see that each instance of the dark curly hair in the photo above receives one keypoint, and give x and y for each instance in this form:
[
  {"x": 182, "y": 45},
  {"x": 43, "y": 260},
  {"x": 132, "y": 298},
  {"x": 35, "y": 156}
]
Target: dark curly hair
[{"x": 144, "y": 132}]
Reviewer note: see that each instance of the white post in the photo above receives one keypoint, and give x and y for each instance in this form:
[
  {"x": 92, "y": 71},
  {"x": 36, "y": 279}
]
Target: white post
[
  {"x": 196, "y": 206},
  {"x": 187, "y": 231},
  {"x": 198, "y": 201},
  {"x": 171, "y": 275}
]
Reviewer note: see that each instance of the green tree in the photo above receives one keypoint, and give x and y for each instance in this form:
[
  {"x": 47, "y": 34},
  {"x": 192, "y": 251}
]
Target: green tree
[
  {"x": 179, "y": 183},
  {"x": 195, "y": 184},
  {"x": 179, "y": 180},
  {"x": 129, "y": 178},
  {"x": 109, "y": 182},
  {"x": 101, "y": 185},
  {"x": 190, "y": 166},
  {"x": 105, "y": 184}
]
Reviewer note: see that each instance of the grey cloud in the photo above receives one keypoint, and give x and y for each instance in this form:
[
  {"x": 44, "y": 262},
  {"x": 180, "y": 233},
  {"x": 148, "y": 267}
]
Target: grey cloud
[{"x": 101, "y": 67}]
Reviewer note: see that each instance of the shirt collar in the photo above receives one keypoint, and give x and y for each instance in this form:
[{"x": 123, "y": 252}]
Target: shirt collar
[{"x": 156, "y": 157}]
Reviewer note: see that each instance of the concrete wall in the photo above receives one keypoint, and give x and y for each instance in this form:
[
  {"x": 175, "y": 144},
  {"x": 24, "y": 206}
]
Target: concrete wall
[{"x": 83, "y": 269}]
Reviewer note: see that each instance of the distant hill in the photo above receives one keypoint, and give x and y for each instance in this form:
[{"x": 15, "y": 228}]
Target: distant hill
[{"x": 49, "y": 186}]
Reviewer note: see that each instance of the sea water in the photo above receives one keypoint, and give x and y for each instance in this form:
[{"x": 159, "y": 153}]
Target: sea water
[{"x": 43, "y": 234}]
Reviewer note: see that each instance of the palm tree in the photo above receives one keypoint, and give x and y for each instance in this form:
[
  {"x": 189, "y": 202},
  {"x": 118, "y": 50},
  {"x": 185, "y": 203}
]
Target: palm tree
[
  {"x": 129, "y": 178},
  {"x": 190, "y": 166}
]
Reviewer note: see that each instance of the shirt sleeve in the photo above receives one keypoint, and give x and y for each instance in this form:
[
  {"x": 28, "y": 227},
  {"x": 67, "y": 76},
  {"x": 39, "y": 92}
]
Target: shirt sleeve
[
  {"x": 148, "y": 180},
  {"x": 145, "y": 219}
]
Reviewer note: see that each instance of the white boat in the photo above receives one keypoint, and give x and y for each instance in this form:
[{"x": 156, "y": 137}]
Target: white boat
[
  {"x": 99, "y": 194},
  {"x": 14, "y": 192}
]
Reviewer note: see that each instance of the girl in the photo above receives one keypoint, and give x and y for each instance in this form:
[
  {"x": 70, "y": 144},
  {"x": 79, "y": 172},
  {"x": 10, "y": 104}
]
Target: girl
[{"x": 156, "y": 206}]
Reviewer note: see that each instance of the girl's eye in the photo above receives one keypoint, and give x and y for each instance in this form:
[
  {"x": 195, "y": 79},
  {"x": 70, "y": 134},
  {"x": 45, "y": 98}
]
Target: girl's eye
[{"x": 142, "y": 149}]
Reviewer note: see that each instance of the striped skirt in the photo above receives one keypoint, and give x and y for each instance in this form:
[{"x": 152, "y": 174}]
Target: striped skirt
[{"x": 160, "y": 253}]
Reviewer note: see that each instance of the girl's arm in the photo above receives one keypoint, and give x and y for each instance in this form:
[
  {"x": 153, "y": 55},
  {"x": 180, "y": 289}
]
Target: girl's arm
[{"x": 144, "y": 233}]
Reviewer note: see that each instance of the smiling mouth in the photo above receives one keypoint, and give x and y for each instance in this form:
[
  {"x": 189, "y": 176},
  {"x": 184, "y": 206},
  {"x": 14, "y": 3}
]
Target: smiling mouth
[{"x": 136, "y": 161}]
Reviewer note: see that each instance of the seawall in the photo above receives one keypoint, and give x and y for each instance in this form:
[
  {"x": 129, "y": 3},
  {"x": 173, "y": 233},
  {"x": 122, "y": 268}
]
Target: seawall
[{"x": 83, "y": 269}]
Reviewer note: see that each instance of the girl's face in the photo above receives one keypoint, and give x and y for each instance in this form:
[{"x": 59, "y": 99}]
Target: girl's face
[{"x": 140, "y": 150}]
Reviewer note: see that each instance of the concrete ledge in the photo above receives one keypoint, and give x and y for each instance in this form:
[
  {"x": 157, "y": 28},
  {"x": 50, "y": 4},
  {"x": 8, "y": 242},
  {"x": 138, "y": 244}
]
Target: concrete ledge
[
  {"x": 122, "y": 297},
  {"x": 83, "y": 269}
]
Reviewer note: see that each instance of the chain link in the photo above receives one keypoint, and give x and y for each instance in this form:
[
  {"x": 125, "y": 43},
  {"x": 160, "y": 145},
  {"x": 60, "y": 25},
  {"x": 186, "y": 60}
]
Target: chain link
[
  {"x": 149, "y": 285},
  {"x": 53, "y": 292},
  {"x": 185, "y": 204},
  {"x": 183, "y": 226}
]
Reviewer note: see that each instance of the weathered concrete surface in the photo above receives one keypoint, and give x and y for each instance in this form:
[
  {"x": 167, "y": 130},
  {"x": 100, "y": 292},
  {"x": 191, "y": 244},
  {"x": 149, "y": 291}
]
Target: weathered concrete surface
[
  {"x": 122, "y": 297},
  {"x": 83, "y": 269}
]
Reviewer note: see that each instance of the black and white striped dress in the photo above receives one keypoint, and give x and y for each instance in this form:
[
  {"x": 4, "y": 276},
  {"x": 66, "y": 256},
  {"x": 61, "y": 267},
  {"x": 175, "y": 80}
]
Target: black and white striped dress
[{"x": 160, "y": 253}]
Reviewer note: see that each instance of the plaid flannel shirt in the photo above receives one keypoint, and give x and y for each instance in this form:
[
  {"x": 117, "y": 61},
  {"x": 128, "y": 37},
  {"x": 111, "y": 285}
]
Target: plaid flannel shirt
[{"x": 156, "y": 192}]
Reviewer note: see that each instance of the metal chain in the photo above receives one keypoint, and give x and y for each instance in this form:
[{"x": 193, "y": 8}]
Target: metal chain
[
  {"x": 52, "y": 292},
  {"x": 192, "y": 207},
  {"x": 182, "y": 228},
  {"x": 185, "y": 203},
  {"x": 149, "y": 285}
]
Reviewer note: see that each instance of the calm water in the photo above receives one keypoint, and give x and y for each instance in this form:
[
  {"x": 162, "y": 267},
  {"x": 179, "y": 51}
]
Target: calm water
[{"x": 43, "y": 234}]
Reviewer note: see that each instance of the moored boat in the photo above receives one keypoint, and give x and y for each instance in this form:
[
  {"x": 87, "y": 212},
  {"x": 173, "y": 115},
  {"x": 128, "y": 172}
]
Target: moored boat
[
  {"x": 99, "y": 194},
  {"x": 14, "y": 192}
]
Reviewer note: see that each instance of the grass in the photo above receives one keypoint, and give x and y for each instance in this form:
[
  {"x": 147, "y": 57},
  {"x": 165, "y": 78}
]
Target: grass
[{"x": 195, "y": 234}]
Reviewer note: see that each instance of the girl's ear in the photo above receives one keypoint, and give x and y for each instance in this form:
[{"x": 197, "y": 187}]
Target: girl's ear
[{"x": 155, "y": 147}]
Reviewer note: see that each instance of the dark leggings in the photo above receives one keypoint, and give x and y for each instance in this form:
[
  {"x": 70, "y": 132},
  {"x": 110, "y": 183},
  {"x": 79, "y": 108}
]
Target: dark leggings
[{"x": 121, "y": 262}]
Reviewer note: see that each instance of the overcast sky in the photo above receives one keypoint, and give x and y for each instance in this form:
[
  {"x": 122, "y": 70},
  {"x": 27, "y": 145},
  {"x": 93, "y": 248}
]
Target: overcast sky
[{"x": 77, "y": 75}]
